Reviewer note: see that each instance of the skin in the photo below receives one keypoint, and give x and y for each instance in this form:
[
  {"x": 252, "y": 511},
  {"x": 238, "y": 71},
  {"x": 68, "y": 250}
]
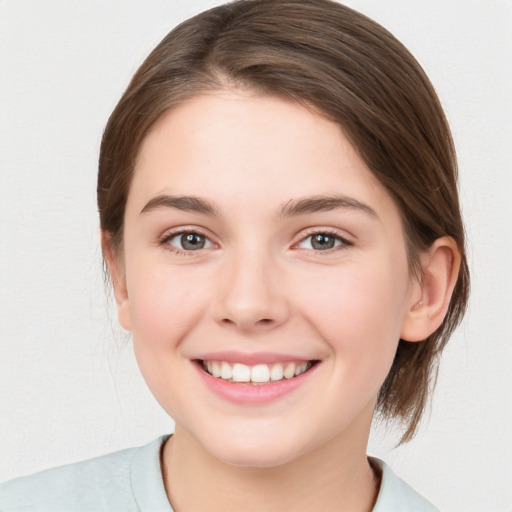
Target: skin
[{"x": 260, "y": 285}]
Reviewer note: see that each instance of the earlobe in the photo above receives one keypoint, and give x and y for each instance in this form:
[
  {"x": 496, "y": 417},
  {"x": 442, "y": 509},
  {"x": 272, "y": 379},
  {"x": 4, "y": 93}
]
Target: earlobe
[
  {"x": 433, "y": 291},
  {"x": 118, "y": 279}
]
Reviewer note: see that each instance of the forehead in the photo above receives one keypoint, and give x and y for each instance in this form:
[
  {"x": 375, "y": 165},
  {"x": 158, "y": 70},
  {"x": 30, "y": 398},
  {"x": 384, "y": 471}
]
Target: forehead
[{"x": 246, "y": 147}]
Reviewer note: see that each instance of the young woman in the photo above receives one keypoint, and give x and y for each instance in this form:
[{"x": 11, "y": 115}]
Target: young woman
[{"x": 280, "y": 221}]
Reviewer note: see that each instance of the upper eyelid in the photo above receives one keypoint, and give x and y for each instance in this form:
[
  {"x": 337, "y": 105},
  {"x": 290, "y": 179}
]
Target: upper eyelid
[
  {"x": 342, "y": 235},
  {"x": 173, "y": 232},
  {"x": 345, "y": 237},
  {"x": 165, "y": 241},
  {"x": 344, "y": 245}
]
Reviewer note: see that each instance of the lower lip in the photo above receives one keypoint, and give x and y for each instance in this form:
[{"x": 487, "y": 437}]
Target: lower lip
[{"x": 244, "y": 393}]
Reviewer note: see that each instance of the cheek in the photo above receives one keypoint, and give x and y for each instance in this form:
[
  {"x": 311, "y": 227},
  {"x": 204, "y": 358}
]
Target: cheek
[
  {"x": 358, "y": 311},
  {"x": 164, "y": 305}
]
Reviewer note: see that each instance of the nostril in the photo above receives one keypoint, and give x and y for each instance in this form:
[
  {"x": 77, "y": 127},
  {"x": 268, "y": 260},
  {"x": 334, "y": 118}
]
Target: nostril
[{"x": 249, "y": 323}]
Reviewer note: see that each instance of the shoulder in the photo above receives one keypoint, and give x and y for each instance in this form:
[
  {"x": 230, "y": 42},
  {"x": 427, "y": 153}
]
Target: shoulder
[
  {"x": 117, "y": 481},
  {"x": 395, "y": 495}
]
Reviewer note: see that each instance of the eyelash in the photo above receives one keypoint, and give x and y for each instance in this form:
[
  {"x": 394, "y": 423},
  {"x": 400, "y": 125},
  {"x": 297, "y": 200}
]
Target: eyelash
[
  {"x": 344, "y": 242},
  {"x": 165, "y": 241}
]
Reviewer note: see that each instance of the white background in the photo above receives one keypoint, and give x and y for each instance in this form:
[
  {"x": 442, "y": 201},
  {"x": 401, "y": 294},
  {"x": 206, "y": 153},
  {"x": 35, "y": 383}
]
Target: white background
[{"x": 69, "y": 386}]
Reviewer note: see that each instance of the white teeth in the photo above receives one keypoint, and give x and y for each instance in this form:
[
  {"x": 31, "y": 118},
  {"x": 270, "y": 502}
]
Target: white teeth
[
  {"x": 277, "y": 372},
  {"x": 216, "y": 369},
  {"x": 289, "y": 371},
  {"x": 301, "y": 368},
  {"x": 257, "y": 374},
  {"x": 226, "y": 372},
  {"x": 241, "y": 373},
  {"x": 260, "y": 373}
]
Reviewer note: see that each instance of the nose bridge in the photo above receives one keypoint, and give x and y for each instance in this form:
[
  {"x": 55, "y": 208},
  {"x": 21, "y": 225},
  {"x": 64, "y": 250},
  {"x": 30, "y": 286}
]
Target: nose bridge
[{"x": 251, "y": 296}]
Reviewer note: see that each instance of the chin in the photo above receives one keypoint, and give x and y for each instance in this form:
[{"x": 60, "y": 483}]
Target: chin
[
  {"x": 258, "y": 451},
  {"x": 258, "y": 458}
]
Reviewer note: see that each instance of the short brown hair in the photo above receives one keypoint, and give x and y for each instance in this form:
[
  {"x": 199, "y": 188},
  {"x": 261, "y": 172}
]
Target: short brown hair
[{"x": 351, "y": 70}]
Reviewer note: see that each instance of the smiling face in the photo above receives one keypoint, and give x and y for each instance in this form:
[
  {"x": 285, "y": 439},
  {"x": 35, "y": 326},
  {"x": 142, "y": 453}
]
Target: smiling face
[{"x": 257, "y": 246}]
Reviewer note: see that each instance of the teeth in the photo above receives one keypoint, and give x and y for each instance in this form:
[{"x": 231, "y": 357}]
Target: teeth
[
  {"x": 258, "y": 374},
  {"x": 241, "y": 372},
  {"x": 226, "y": 372},
  {"x": 301, "y": 368},
  {"x": 216, "y": 369},
  {"x": 277, "y": 372},
  {"x": 289, "y": 371}
]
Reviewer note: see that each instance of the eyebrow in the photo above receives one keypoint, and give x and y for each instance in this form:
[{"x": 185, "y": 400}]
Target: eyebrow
[
  {"x": 292, "y": 208},
  {"x": 315, "y": 204},
  {"x": 185, "y": 203}
]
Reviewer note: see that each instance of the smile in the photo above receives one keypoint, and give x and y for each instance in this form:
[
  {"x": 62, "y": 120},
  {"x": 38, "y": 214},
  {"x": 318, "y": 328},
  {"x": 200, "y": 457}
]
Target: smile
[
  {"x": 256, "y": 374},
  {"x": 254, "y": 379}
]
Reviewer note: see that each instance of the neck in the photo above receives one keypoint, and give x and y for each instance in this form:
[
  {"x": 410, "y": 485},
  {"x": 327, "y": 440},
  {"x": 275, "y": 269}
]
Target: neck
[{"x": 337, "y": 476}]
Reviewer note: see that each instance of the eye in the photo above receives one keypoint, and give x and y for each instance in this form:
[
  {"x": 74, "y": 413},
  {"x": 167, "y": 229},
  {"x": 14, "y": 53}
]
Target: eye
[
  {"x": 188, "y": 241},
  {"x": 322, "y": 242}
]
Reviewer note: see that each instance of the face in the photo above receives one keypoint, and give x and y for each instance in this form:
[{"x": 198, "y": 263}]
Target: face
[{"x": 264, "y": 277}]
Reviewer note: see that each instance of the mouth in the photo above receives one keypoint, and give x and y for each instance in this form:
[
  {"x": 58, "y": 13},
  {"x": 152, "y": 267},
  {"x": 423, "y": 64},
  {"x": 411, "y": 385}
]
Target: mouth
[{"x": 258, "y": 374}]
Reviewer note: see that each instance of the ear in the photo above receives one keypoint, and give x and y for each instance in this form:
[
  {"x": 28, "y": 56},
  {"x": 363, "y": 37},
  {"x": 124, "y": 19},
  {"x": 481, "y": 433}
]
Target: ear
[
  {"x": 433, "y": 291},
  {"x": 115, "y": 267}
]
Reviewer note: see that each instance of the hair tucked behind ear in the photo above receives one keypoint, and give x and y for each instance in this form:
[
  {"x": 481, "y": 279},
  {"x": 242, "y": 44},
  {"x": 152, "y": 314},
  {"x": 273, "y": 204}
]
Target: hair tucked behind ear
[{"x": 346, "y": 67}]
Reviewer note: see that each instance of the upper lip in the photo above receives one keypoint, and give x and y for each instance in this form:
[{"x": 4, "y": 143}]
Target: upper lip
[{"x": 251, "y": 359}]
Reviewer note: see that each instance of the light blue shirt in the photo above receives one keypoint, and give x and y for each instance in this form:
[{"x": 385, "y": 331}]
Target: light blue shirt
[{"x": 131, "y": 481}]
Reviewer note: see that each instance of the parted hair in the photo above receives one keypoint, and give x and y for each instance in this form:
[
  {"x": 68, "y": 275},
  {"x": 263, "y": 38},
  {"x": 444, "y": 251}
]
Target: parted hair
[{"x": 346, "y": 67}]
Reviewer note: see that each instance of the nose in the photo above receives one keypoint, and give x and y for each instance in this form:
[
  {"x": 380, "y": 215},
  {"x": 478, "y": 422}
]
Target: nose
[{"x": 251, "y": 296}]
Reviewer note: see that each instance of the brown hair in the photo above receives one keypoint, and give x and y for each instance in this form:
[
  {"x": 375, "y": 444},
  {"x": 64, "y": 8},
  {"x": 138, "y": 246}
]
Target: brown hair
[{"x": 351, "y": 70}]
